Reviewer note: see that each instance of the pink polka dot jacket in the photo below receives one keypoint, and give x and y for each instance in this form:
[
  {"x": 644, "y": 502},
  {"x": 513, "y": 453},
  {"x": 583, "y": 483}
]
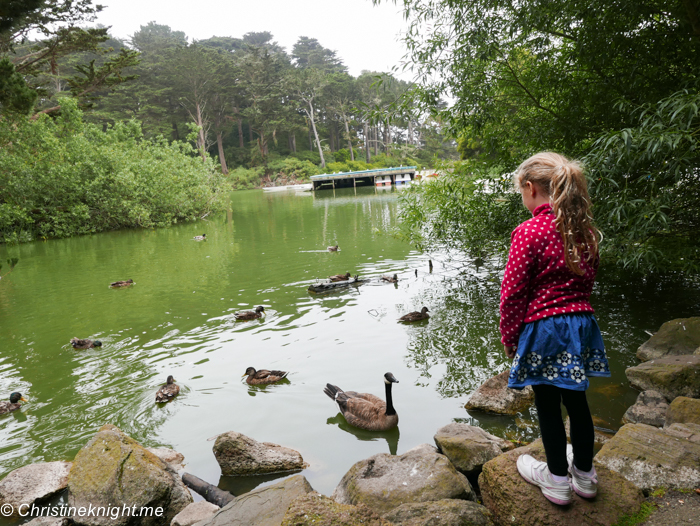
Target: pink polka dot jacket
[{"x": 537, "y": 283}]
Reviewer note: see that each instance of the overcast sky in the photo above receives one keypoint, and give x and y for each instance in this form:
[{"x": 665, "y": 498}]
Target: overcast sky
[{"x": 364, "y": 36}]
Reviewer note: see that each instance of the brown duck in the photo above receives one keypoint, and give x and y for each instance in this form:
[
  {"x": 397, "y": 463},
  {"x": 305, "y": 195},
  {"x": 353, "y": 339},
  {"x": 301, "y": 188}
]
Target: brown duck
[
  {"x": 250, "y": 314},
  {"x": 364, "y": 410},
  {"x": 263, "y": 376},
  {"x": 78, "y": 343},
  {"x": 13, "y": 404},
  {"x": 340, "y": 277},
  {"x": 167, "y": 391},
  {"x": 390, "y": 279},
  {"x": 126, "y": 283},
  {"x": 333, "y": 249},
  {"x": 416, "y": 316}
]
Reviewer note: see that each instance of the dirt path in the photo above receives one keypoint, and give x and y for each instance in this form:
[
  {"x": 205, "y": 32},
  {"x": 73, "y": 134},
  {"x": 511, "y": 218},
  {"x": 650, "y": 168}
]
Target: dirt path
[{"x": 675, "y": 508}]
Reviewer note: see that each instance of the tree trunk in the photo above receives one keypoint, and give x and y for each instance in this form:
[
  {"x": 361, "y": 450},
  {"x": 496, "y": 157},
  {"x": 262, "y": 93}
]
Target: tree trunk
[
  {"x": 347, "y": 136},
  {"x": 409, "y": 139},
  {"x": 210, "y": 492},
  {"x": 376, "y": 140},
  {"x": 318, "y": 141},
  {"x": 250, "y": 133},
  {"x": 294, "y": 142},
  {"x": 176, "y": 133},
  {"x": 387, "y": 136},
  {"x": 202, "y": 143},
  {"x": 365, "y": 132},
  {"x": 311, "y": 141},
  {"x": 222, "y": 158},
  {"x": 240, "y": 133}
]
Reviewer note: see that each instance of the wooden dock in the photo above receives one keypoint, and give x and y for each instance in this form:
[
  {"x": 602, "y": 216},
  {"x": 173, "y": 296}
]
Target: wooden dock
[{"x": 376, "y": 177}]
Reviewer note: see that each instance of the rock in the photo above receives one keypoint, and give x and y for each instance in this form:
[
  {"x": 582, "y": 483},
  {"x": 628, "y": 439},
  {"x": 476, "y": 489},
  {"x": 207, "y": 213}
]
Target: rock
[
  {"x": 33, "y": 483},
  {"x": 495, "y": 397},
  {"x": 446, "y": 512},
  {"x": 319, "y": 510},
  {"x": 650, "y": 457},
  {"x": 671, "y": 376},
  {"x": 384, "y": 482},
  {"x": 683, "y": 410},
  {"x": 169, "y": 456},
  {"x": 47, "y": 521},
  {"x": 675, "y": 337},
  {"x": 263, "y": 506},
  {"x": 469, "y": 447},
  {"x": 195, "y": 512},
  {"x": 512, "y": 500},
  {"x": 113, "y": 470},
  {"x": 238, "y": 454},
  {"x": 650, "y": 408}
]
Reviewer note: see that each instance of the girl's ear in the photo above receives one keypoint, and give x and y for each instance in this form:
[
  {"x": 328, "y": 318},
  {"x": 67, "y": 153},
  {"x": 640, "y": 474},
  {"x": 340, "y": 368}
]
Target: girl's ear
[{"x": 531, "y": 188}]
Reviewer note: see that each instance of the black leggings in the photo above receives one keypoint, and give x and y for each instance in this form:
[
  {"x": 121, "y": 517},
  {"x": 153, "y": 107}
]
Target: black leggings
[{"x": 548, "y": 399}]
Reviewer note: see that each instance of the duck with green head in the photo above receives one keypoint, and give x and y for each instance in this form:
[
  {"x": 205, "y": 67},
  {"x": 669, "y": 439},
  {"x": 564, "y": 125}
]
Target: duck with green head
[
  {"x": 250, "y": 314},
  {"x": 13, "y": 404}
]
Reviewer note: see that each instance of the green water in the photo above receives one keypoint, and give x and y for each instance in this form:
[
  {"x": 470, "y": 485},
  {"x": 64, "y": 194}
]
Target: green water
[{"x": 178, "y": 319}]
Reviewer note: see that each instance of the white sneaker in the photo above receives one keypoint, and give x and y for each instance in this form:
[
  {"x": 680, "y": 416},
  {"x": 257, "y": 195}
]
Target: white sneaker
[
  {"x": 537, "y": 473},
  {"x": 585, "y": 485}
]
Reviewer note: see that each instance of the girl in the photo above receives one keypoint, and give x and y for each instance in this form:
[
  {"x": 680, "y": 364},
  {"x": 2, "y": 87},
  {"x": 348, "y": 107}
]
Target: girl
[{"x": 547, "y": 322}]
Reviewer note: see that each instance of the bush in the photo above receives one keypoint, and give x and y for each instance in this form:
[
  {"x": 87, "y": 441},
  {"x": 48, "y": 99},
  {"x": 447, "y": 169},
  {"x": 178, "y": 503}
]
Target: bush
[
  {"x": 245, "y": 178},
  {"x": 312, "y": 157},
  {"x": 293, "y": 169},
  {"x": 64, "y": 177}
]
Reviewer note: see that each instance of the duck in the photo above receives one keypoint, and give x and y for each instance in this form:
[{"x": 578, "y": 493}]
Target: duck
[
  {"x": 78, "y": 343},
  {"x": 333, "y": 249},
  {"x": 13, "y": 404},
  {"x": 263, "y": 376},
  {"x": 251, "y": 315},
  {"x": 203, "y": 237},
  {"x": 364, "y": 410},
  {"x": 416, "y": 316},
  {"x": 167, "y": 391},
  {"x": 122, "y": 283},
  {"x": 340, "y": 277},
  {"x": 390, "y": 279}
]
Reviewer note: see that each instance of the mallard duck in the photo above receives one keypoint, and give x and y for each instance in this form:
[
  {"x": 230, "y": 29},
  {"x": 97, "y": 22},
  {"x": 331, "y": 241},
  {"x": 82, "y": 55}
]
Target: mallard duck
[
  {"x": 416, "y": 316},
  {"x": 364, "y": 410},
  {"x": 340, "y": 277},
  {"x": 263, "y": 376},
  {"x": 390, "y": 279},
  {"x": 250, "y": 314},
  {"x": 77, "y": 343},
  {"x": 203, "y": 237},
  {"x": 333, "y": 249},
  {"x": 167, "y": 391},
  {"x": 122, "y": 283},
  {"x": 13, "y": 404}
]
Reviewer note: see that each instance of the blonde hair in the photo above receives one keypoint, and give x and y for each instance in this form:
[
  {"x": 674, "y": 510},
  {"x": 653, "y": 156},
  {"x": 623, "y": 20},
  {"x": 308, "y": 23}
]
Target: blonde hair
[{"x": 565, "y": 184}]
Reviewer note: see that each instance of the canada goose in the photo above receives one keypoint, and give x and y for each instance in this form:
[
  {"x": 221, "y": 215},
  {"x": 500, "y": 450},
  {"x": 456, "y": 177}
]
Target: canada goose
[
  {"x": 416, "y": 316},
  {"x": 13, "y": 404},
  {"x": 365, "y": 410},
  {"x": 333, "y": 249},
  {"x": 167, "y": 391},
  {"x": 249, "y": 314},
  {"x": 78, "y": 343},
  {"x": 340, "y": 277},
  {"x": 126, "y": 283},
  {"x": 390, "y": 279},
  {"x": 263, "y": 376},
  {"x": 203, "y": 237}
]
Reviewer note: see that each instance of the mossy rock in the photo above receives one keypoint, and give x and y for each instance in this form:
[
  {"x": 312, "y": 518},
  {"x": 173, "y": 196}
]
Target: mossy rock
[
  {"x": 683, "y": 410},
  {"x": 238, "y": 454},
  {"x": 319, "y": 510},
  {"x": 469, "y": 447},
  {"x": 446, "y": 512},
  {"x": 115, "y": 470},
  {"x": 671, "y": 376},
  {"x": 675, "y": 337},
  {"x": 494, "y": 396}
]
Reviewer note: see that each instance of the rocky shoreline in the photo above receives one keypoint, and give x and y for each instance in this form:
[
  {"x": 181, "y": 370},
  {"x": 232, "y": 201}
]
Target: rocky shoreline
[{"x": 468, "y": 478}]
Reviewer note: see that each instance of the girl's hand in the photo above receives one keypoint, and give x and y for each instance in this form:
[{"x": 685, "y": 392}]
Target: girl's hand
[{"x": 510, "y": 351}]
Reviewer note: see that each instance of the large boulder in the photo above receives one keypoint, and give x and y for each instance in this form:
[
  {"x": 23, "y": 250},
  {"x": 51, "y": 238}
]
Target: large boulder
[
  {"x": 318, "y": 510},
  {"x": 671, "y": 376},
  {"x": 113, "y": 470},
  {"x": 263, "y": 506},
  {"x": 238, "y": 454},
  {"x": 48, "y": 521},
  {"x": 384, "y": 482},
  {"x": 469, "y": 447},
  {"x": 675, "y": 337},
  {"x": 446, "y": 512},
  {"x": 33, "y": 483},
  {"x": 512, "y": 500},
  {"x": 683, "y": 410},
  {"x": 169, "y": 456},
  {"x": 494, "y": 397},
  {"x": 651, "y": 458},
  {"x": 194, "y": 513},
  {"x": 650, "y": 408}
]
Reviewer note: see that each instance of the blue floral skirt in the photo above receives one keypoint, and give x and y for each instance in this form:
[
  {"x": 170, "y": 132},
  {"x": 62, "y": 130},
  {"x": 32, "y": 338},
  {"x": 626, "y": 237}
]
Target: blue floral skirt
[{"x": 562, "y": 350}]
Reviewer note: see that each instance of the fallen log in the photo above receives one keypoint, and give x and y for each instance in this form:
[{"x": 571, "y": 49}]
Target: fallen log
[
  {"x": 335, "y": 285},
  {"x": 210, "y": 492}
]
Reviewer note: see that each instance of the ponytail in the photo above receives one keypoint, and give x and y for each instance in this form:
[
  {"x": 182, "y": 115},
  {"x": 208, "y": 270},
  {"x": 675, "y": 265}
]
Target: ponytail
[{"x": 563, "y": 180}]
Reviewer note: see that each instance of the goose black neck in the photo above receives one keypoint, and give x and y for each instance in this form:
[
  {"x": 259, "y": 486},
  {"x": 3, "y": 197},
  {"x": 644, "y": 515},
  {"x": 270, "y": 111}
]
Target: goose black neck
[{"x": 389, "y": 402}]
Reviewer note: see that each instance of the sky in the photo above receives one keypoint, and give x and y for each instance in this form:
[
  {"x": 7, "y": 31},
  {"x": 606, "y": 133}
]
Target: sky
[{"x": 365, "y": 37}]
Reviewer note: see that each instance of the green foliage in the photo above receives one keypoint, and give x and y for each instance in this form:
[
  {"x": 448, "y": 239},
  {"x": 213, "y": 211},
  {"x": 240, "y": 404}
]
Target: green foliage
[
  {"x": 644, "y": 513},
  {"x": 245, "y": 178},
  {"x": 292, "y": 168},
  {"x": 65, "y": 177},
  {"x": 306, "y": 155},
  {"x": 15, "y": 95}
]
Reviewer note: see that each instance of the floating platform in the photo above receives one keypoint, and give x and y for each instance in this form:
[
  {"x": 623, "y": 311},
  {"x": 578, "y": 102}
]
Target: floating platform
[
  {"x": 401, "y": 175},
  {"x": 306, "y": 187}
]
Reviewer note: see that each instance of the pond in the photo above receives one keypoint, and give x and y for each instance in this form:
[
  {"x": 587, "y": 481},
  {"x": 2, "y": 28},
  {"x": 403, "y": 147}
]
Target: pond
[{"x": 178, "y": 319}]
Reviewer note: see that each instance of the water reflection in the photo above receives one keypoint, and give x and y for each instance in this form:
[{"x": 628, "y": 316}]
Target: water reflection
[
  {"x": 391, "y": 436},
  {"x": 239, "y": 485}
]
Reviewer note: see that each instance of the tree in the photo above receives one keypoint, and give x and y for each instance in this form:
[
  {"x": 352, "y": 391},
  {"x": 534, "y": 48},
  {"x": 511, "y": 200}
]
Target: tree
[
  {"x": 308, "y": 84},
  {"x": 308, "y": 53}
]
